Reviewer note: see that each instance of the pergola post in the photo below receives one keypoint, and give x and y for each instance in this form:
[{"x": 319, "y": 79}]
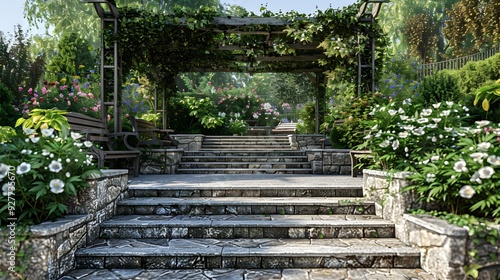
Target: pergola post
[
  {"x": 368, "y": 16},
  {"x": 110, "y": 63}
]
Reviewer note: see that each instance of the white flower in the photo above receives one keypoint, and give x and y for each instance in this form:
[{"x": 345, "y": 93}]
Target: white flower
[
  {"x": 478, "y": 157},
  {"x": 68, "y": 174},
  {"x": 395, "y": 144},
  {"x": 434, "y": 158},
  {"x": 432, "y": 126},
  {"x": 45, "y": 153},
  {"x": 484, "y": 146},
  {"x": 460, "y": 166},
  {"x": 255, "y": 115},
  {"x": 467, "y": 192},
  {"x": 385, "y": 144},
  {"x": 448, "y": 129},
  {"x": 449, "y": 103},
  {"x": 28, "y": 131},
  {"x": 486, "y": 172},
  {"x": 445, "y": 113},
  {"x": 419, "y": 131},
  {"x": 436, "y": 105},
  {"x": 87, "y": 144},
  {"x": 423, "y": 120},
  {"x": 426, "y": 112},
  {"x": 493, "y": 160},
  {"x": 4, "y": 170},
  {"x": 434, "y": 139},
  {"x": 482, "y": 123},
  {"x": 407, "y": 149},
  {"x": 6, "y": 189},
  {"x": 403, "y": 117},
  {"x": 23, "y": 168},
  {"x": 436, "y": 120},
  {"x": 78, "y": 144},
  {"x": 35, "y": 139},
  {"x": 47, "y": 132},
  {"x": 222, "y": 114},
  {"x": 392, "y": 112},
  {"x": 475, "y": 178},
  {"x": 55, "y": 166},
  {"x": 56, "y": 186},
  {"x": 76, "y": 135},
  {"x": 403, "y": 134},
  {"x": 368, "y": 136}
]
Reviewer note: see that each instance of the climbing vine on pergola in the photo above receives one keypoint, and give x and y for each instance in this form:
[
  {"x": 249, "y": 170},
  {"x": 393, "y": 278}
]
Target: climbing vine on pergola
[{"x": 333, "y": 44}]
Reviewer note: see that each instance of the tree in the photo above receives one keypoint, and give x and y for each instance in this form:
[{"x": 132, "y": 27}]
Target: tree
[
  {"x": 73, "y": 54},
  {"x": 472, "y": 25}
]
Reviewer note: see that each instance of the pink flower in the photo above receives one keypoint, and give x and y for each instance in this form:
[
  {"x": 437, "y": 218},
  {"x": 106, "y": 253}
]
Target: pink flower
[
  {"x": 20, "y": 89},
  {"x": 44, "y": 90},
  {"x": 61, "y": 95},
  {"x": 127, "y": 115},
  {"x": 91, "y": 96},
  {"x": 36, "y": 95},
  {"x": 16, "y": 109},
  {"x": 109, "y": 118},
  {"x": 69, "y": 103},
  {"x": 55, "y": 99},
  {"x": 82, "y": 94},
  {"x": 94, "y": 109},
  {"x": 209, "y": 83},
  {"x": 30, "y": 91}
]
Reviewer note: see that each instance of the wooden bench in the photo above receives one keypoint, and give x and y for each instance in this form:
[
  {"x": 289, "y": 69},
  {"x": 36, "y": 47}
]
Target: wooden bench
[
  {"x": 95, "y": 131},
  {"x": 285, "y": 128},
  {"x": 355, "y": 155},
  {"x": 149, "y": 135}
]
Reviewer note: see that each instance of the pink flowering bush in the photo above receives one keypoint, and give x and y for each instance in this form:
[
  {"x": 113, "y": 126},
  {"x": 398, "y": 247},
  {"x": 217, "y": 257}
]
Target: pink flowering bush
[
  {"x": 41, "y": 168},
  {"x": 267, "y": 115},
  {"x": 75, "y": 96}
]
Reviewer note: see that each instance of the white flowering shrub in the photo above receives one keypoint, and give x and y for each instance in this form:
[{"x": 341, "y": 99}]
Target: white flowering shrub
[
  {"x": 40, "y": 170},
  {"x": 466, "y": 178},
  {"x": 401, "y": 132}
]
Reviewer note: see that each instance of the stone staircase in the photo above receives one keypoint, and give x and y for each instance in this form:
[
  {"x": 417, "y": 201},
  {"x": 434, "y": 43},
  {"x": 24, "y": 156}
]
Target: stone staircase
[
  {"x": 245, "y": 155},
  {"x": 246, "y": 226}
]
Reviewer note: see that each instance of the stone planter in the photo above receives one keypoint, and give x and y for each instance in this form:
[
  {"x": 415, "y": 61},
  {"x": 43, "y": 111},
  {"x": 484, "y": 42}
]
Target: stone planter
[
  {"x": 50, "y": 246},
  {"x": 444, "y": 247}
]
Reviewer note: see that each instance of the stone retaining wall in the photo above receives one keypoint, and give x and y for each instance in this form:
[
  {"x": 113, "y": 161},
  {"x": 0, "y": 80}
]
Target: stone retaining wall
[
  {"x": 51, "y": 246},
  {"x": 444, "y": 247},
  {"x": 160, "y": 161},
  {"x": 189, "y": 142},
  {"x": 330, "y": 161}
]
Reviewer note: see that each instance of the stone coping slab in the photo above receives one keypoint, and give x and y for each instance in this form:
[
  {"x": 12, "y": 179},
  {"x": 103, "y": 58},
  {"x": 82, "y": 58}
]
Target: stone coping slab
[
  {"x": 437, "y": 225},
  {"x": 65, "y": 223},
  {"x": 275, "y": 221},
  {"x": 248, "y": 247},
  {"x": 250, "y": 274},
  {"x": 255, "y": 201}
]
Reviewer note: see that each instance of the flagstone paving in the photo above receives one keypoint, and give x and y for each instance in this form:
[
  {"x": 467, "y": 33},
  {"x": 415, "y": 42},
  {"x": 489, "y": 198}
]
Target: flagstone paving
[{"x": 247, "y": 226}]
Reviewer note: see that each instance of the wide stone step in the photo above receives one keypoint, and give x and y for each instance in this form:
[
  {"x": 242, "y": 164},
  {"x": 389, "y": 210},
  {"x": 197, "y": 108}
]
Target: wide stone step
[
  {"x": 246, "y": 141},
  {"x": 246, "y": 147},
  {"x": 249, "y": 159},
  {"x": 244, "y": 164},
  {"x": 244, "y": 171},
  {"x": 247, "y": 253},
  {"x": 245, "y": 206},
  {"x": 244, "y": 186},
  {"x": 251, "y": 274},
  {"x": 245, "y": 153},
  {"x": 247, "y": 226}
]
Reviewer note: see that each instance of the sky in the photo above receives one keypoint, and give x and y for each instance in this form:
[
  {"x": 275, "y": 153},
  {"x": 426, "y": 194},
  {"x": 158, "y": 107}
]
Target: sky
[{"x": 11, "y": 12}]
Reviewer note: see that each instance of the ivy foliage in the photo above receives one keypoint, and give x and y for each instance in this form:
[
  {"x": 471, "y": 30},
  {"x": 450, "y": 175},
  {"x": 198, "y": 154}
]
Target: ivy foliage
[{"x": 198, "y": 40}]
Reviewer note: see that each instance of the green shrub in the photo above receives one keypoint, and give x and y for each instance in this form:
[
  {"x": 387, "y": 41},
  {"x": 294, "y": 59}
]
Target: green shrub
[
  {"x": 7, "y": 114},
  {"x": 439, "y": 87},
  {"x": 307, "y": 119},
  {"x": 476, "y": 74}
]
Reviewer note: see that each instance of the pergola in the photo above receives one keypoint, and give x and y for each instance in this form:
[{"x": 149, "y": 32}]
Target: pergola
[{"x": 224, "y": 55}]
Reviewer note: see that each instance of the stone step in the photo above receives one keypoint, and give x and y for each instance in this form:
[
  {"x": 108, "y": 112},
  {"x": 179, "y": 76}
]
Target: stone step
[
  {"x": 249, "y": 159},
  {"x": 247, "y": 253},
  {"x": 244, "y": 186},
  {"x": 247, "y": 141},
  {"x": 239, "y": 138},
  {"x": 245, "y": 164},
  {"x": 246, "y": 147},
  {"x": 247, "y": 226},
  {"x": 252, "y": 274},
  {"x": 245, "y": 206},
  {"x": 245, "y": 153},
  {"x": 244, "y": 171}
]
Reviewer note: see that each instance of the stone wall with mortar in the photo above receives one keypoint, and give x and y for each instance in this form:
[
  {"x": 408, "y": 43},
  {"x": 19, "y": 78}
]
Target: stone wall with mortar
[
  {"x": 160, "y": 161},
  {"x": 330, "y": 161},
  {"x": 189, "y": 142},
  {"x": 51, "y": 246}
]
